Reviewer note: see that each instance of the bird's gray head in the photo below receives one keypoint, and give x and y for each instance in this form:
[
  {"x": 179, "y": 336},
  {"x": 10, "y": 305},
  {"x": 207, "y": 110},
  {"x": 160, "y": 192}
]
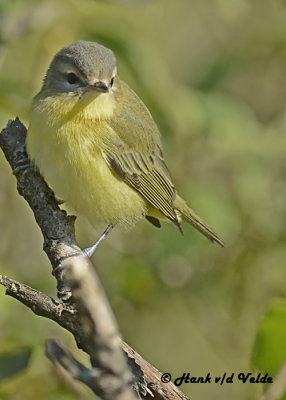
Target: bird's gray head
[{"x": 80, "y": 66}]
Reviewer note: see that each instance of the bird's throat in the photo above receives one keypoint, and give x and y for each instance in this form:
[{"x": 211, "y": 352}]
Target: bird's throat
[{"x": 90, "y": 107}]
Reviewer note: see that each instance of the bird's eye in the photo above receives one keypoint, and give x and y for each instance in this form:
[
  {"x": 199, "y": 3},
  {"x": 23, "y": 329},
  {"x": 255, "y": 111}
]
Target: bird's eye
[
  {"x": 111, "y": 82},
  {"x": 72, "y": 78}
]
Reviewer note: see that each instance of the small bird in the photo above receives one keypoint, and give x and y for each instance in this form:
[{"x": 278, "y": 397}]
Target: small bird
[{"x": 98, "y": 147}]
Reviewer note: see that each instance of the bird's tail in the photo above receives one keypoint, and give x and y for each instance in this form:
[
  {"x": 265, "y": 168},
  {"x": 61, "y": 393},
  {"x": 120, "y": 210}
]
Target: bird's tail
[{"x": 190, "y": 216}]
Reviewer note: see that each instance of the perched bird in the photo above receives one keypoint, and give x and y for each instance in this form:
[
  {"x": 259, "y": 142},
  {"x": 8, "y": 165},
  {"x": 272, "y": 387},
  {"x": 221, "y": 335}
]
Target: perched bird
[{"x": 98, "y": 147}]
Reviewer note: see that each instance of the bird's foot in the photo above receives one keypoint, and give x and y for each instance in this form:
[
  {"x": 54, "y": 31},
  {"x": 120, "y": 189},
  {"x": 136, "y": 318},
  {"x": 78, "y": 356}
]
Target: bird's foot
[
  {"x": 88, "y": 252},
  {"x": 23, "y": 165}
]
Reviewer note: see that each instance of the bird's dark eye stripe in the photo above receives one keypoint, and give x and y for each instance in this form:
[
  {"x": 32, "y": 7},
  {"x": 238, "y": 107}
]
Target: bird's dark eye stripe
[{"x": 72, "y": 78}]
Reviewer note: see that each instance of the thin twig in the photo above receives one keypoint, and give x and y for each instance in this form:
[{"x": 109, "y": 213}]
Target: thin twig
[{"x": 61, "y": 356}]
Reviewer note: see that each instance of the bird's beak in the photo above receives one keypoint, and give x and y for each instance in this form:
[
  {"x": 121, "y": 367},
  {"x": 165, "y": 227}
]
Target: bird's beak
[{"x": 99, "y": 86}]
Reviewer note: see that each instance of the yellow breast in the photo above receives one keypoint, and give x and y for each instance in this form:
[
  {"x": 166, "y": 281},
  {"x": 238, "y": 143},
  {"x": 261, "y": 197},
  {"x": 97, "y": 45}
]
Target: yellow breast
[{"x": 65, "y": 142}]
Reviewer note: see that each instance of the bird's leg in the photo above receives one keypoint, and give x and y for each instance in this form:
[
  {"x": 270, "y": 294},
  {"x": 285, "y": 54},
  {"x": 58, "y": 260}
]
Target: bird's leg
[{"x": 88, "y": 252}]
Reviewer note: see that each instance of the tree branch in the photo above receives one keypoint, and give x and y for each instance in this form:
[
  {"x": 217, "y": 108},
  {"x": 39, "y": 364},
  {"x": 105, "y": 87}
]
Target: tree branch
[{"x": 86, "y": 314}]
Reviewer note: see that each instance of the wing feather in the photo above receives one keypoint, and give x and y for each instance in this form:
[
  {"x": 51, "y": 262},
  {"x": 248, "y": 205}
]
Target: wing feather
[{"x": 147, "y": 176}]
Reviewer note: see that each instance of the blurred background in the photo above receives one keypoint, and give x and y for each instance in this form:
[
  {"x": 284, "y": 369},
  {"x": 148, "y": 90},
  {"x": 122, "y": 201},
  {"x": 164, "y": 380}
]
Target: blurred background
[{"x": 212, "y": 74}]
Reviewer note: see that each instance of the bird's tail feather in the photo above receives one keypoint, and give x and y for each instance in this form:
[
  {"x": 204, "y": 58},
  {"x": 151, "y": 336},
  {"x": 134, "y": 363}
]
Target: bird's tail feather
[{"x": 192, "y": 218}]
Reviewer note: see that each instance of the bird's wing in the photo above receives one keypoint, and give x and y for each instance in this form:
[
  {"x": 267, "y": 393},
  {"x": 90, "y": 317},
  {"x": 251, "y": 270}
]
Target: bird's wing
[
  {"x": 146, "y": 174},
  {"x": 133, "y": 152}
]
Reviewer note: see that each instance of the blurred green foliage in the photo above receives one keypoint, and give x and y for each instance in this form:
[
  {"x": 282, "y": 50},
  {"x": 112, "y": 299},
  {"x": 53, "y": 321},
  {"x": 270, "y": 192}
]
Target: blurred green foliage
[
  {"x": 13, "y": 362},
  {"x": 269, "y": 353},
  {"x": 212, "y": 73}
]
